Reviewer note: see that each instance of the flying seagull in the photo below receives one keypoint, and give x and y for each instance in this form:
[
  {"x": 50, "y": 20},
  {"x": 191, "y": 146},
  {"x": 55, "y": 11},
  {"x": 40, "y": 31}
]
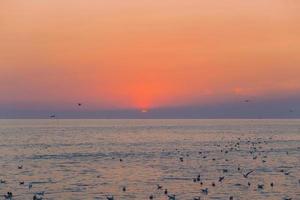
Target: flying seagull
[{"x": 247, "y": 174}]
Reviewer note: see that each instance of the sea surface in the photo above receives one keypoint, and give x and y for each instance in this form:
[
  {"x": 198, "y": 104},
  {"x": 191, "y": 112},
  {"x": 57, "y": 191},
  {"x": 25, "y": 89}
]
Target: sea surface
[{"x": 93, "y": 159}]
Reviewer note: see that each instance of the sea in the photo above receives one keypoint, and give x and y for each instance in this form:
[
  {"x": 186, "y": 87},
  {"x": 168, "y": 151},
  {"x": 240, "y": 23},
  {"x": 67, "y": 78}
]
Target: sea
[{"x": 141, "y": 159}]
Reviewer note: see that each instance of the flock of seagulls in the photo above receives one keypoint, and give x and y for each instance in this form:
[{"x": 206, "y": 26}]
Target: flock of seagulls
[
  {"x": 255, "y": 152},
  {"x": 36, "y": 195}
]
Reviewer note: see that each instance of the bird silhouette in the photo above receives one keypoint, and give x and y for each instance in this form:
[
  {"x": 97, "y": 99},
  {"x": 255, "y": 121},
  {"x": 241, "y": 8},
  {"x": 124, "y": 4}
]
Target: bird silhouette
[
  {"x": 247, "y": 174},
  {"x": 40, "y": 193},
  {"x": 35, "y": 197},
  {"x": 287, "y": 198},
  {"x": 166, "y": 192},
  {"x": 172, "y": 197},
  {"x": 8, "y": 196},
  {"x": 260, "y": 186},
  {"x": 221, "y": 178},
  {"x": 110, "y": 197},
  {"x": 204, "y": 191}
]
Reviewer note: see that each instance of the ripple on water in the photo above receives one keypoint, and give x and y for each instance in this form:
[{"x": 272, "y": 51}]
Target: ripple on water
[{"x": 81, "y": 159}]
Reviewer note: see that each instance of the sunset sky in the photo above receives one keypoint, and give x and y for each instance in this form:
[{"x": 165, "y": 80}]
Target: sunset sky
[{"x": 148, "y": 54}]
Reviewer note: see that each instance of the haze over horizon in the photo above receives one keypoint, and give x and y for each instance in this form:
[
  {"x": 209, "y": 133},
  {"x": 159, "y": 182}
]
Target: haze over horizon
[{"x": 176, "y": 59}]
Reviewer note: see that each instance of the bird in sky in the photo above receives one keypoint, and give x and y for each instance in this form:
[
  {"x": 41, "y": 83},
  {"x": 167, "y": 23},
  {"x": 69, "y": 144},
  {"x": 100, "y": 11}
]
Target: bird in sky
[{"x": 247, "y": 174}]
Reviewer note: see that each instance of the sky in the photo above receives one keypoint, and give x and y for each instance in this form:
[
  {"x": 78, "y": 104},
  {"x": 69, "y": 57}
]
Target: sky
[{"x": 196, "y": 58}]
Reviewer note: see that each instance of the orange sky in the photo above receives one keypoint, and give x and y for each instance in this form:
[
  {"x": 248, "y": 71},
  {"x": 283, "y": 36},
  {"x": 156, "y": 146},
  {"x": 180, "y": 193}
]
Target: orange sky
[{"x": 147, "y": 53}]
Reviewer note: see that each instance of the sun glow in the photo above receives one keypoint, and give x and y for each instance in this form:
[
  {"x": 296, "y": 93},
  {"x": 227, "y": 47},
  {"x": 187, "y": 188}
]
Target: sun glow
[
  {"x": 146, "y": 54},
  {"x": 149, "y": 95}
]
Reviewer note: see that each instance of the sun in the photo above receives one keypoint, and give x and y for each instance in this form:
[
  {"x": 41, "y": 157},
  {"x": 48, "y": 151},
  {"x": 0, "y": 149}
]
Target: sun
[{"x": 144, "y": 111}]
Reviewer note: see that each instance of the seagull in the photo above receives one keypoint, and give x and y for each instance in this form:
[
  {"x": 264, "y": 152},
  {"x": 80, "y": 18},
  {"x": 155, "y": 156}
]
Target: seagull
[
  {"x": 40, "y": 193},
  {"x": 260, "y": 186},
  {"x": 110, "y": 198},
  {"x": 172, "y": 197},
  {"x": 247, "y": 174},
  {"x": 8, "y": 196},
  {"x": 159, "y": 187},
  {"x": 221, "y": 178},
  {"x": 35, "y": 197},
  {"x": 204, "y": 191},
  {"x": 287, "y": 198},
  {"x": 198, "y": 177}
]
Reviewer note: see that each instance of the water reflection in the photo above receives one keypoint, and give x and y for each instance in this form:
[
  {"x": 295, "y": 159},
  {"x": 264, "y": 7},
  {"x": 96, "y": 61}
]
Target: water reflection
[{"x": 92, "y": 159}]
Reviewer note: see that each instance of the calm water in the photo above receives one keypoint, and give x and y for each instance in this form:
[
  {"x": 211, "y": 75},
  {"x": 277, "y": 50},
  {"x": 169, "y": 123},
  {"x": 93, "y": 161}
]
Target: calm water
[{"x": 80, "y": 159}]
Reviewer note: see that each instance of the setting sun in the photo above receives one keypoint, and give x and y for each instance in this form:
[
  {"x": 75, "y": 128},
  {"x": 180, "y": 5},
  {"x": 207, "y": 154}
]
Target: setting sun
[{"x": 144, "y": 110}]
